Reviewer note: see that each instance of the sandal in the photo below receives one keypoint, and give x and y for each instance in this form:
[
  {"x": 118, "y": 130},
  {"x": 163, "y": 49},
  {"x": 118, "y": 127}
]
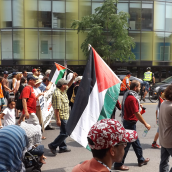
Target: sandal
[{"x": 43, "y": 138}]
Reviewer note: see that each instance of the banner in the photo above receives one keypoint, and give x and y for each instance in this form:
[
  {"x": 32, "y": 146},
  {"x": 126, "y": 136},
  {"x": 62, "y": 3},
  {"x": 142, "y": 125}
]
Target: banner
[{"x": 46, "y": 106}]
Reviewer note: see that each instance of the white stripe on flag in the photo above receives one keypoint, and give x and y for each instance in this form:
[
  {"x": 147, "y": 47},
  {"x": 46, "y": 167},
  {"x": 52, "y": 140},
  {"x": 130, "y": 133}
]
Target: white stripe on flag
[
  {"x": 89, "y": 116},
  {"x": 55, "y": 76}
]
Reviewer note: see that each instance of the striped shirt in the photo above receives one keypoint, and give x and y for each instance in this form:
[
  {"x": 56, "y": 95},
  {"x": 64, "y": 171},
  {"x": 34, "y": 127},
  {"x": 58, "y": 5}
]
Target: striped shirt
[
  {"x": 13, "y": 141},
  {"x": 60, "y": 101}
]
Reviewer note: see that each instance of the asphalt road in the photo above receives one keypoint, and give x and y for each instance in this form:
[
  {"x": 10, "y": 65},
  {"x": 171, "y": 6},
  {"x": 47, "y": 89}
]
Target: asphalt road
[{"x": 64, "y": 162}]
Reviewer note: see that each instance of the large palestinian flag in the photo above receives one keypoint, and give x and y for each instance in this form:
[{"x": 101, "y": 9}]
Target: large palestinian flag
[
  {"x": 57, "y": 73},
  {"x": 95, "y": 100}
]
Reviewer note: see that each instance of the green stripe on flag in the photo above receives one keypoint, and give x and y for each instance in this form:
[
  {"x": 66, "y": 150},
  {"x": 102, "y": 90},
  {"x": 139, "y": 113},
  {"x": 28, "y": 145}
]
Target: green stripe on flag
[
  {"x": 110, "y": 100},
  {"x": 88, "y": 147},
  {"x": 61, "y": 73}
]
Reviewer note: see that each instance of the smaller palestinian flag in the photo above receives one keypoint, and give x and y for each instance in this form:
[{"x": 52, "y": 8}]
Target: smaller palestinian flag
[{"x": 57, "y": 73}]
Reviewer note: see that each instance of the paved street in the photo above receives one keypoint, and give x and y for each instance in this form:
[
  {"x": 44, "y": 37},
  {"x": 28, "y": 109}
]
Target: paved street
[{"x": 66, "y": 161}]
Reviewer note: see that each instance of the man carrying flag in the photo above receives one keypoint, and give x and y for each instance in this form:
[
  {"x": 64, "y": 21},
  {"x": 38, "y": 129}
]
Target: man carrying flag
[{"x": 60, "y": 104}]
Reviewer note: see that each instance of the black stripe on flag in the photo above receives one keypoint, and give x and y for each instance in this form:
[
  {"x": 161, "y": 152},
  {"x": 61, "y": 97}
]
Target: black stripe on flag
[
  {"x": 53, "y": 69},
  {"x": 83, "y": 93}
]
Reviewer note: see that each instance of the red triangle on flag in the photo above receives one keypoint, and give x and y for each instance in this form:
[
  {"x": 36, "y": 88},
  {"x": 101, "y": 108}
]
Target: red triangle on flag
[
  {"x": 161, "y": 100},
  {"x": 105, "y": 77},
  {"x": 59, "y": 67}
]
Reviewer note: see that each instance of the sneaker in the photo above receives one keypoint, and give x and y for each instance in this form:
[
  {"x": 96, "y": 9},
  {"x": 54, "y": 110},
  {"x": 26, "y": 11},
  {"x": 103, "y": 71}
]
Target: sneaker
[
  {"x": 64, "y": 150},
  {"x": 52, "y": 149},
  {"x": 154, "y": 145},
  {"x": 49, "y": 128}
]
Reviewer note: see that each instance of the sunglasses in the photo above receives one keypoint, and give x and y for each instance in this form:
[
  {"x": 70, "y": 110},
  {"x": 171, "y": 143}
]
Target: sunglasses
[{"x": 122, "y": 143}]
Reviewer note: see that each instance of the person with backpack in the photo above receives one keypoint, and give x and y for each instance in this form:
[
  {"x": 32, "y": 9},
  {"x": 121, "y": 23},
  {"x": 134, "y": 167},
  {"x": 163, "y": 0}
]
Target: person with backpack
[
  {"x": 29, "y": 101},
  {"x": 19, "y": 105}
]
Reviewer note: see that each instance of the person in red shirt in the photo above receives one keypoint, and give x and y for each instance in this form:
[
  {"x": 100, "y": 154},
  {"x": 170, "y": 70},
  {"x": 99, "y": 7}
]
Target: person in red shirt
[
  {"x": 107, "y": 139},
  {"x": 29, "y": 101},
  {"x": 131, "y": 114}
]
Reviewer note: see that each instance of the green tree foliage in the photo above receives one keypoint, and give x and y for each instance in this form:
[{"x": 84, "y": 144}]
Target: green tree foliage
[{"x": 107, "y": 32}]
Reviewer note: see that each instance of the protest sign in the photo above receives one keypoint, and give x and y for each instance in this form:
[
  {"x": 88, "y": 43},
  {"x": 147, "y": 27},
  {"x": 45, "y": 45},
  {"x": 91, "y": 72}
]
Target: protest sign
[{"x": 46, "y": 106}]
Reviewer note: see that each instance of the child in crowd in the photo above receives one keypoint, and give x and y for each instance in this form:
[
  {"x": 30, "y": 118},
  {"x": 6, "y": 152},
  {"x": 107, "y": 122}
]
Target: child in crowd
[{"x": 9, "y": 114}]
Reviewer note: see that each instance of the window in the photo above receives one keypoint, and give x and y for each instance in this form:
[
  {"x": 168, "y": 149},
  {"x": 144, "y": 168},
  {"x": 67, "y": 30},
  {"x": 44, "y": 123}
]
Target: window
[
  {"x": 16, "y": 46},
  {"x": 58, "y": 14},
  {"x": 165, "y": 52},
  {"x": 44, "y": 17},
  {"x": 159, "y": 16},
  {"x": 6, "y": 38},
  {"x": 6, "y": 14},
  {"x": 147, "y": 12},
  {"x": 44, "y": 47},
  {"x": 135, "y": 16}
]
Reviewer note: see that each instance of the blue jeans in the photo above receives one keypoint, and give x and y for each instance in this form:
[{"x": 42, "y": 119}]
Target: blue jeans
[
  {"x": 165, "y": 155},
  {"x": 136, "y": 145},
  {"x": 39, "y": 150},
  {"x": 6, "y": 95},
  {"x": 60, "y": 140}
]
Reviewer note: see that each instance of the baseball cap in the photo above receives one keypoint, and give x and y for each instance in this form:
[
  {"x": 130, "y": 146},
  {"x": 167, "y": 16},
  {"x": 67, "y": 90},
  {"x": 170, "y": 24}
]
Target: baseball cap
[
  {"x": 129, "y": 73},
  {"x": 14, "y": 73},
  {"x": 34, "y": 70},
  {"x": 5, "y": 72},
  {"x": 109, "y": 132},
  {"x": 61, "y": 82},
  {"x": 29, "y": 77}
]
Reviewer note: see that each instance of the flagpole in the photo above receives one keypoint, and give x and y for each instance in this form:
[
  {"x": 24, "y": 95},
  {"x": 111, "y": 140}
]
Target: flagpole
[
  {"x": 89, "y": 46},
  {"x": 65, "y": 67}
]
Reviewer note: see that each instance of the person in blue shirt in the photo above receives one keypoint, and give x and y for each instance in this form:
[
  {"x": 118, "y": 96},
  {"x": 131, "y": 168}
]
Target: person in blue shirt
[{"x": 45, "y": 85}]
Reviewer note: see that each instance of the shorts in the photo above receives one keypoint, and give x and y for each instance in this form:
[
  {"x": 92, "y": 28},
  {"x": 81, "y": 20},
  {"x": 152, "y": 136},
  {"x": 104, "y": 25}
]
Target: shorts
[
  {"x": 146, "y": 84},
  {"x": 2, "y": 102},
  {"x": 33, "y": 119},
  {"x": 158, "y": 130}
]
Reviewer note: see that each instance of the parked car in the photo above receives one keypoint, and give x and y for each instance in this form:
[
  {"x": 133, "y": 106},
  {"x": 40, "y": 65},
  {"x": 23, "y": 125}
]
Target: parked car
[
  {"x": 121, "y": 77},
  {"x": 158, "y": 87},
  {"x": 121, "y": 71},
  {"x": 10, "y": 76}
]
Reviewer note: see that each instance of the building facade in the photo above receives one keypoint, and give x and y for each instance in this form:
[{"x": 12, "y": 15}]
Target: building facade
[{"x": 38, "y": 32}]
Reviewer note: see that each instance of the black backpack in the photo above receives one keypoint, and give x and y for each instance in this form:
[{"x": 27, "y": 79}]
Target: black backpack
[{"x": 19, "y": 104}]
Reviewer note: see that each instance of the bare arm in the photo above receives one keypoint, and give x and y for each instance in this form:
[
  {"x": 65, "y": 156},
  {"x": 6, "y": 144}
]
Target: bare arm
[
  {"x": 17, "y": 86},
  {"x": 140, "y": 118},
  {"x": 1, "y": 116},
  {"x": 128, "y": 86},
  {"x": 153, "y": 80},
  {"x": 6, "y": 87},
  {"x": 71, "y": 81},
  {"x": 49, "y": 86},
  {"x": 13, "y": 83},
  {"x": 56, "y": 111},
  {"x": 40, "y": 94},
  {"x": 25, "y": 108}
]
